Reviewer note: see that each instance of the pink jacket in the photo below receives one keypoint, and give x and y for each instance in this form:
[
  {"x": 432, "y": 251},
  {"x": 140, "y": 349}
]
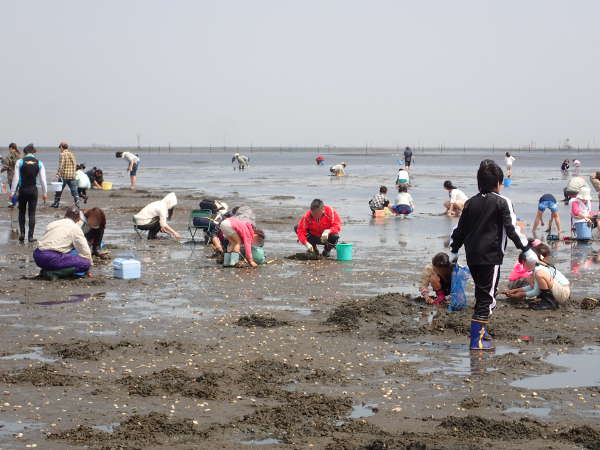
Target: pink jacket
[
  {"x": 246, "y": 233},
  {"x": 518, "y": 272}
]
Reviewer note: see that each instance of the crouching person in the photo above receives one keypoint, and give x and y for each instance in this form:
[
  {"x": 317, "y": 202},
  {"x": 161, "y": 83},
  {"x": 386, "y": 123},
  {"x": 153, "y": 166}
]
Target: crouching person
[
  {"x": 239, "y": 232},
  {"x": 153, "y": 217},
  {"x": 93, "y": 223},
  {"x": 319, "y": 226},
  {"x": 438, "y": 275},
  {"x": 63, "y": 250}
]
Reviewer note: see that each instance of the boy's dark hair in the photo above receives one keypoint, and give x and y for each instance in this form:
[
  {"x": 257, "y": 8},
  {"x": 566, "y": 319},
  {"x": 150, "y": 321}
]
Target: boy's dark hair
[
  {"x": 13, "y": 146},
  {"x": 440, "y": 260},
  {"x": 316, "y": 204},
  {"x": 402, "y": 187},
  {"x": 448, "y": 185},
  {"x": 382, "y": 190},
  {"x": 507, "y": 154},
  {"x": 489, "y": 176},
  {"x": 29, "y": 148},
  {"x": 118, "y": 154},
  {"x": 81, "y": 166}
]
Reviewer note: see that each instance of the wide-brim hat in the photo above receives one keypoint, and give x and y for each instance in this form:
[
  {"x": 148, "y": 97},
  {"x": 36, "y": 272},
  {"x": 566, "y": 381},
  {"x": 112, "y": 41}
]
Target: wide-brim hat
[{"x": 584, "y": 193}]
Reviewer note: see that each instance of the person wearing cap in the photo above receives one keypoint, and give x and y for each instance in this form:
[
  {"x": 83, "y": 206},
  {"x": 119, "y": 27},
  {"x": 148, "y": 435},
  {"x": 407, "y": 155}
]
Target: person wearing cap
[
  {"x": 339, "y": 170},
  {"x": 64, "y": 246},
  {"x": 242, "y": 161},
  {"x": 456, "y": 203},
  {"x": 67, "y": 168},
  {"x": 581, "y": 208},
  {"x": 132, "y": 166},
  {"x": 27, "y": 170},
  {"x": 319, "y": 226}
]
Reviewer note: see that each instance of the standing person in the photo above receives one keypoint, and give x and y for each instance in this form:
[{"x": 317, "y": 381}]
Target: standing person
[
  {"x": 487, "y": 220},
  {"x": 577, "y": 166},
  {"x": 564, "y": 167},
  {"x": 132, "y": 166},
  {"x": 63, "y": 246},
  {"x": 509, "y": 163},
  {"x": 27, "y": 170},
  {"x": 595, "y": 180},
  {"x": 67, "y": 166},
  {"x": 407, "y": 158},
  {"x": 339, "y": 170},
  {"x": 321, "y": 225},
  {"x": 456, "y": 203},
  {"x": 83, "y": 182},
  {"x": 154, "y": 216},
  {"x": 8, "y": 167},
  {"x": 379, "y": 201},
  {"x": 547, "y": 201}
]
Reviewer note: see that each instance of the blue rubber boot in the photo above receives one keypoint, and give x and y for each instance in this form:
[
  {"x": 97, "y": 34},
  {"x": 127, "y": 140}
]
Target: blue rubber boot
[{"x": 477, "y": 337}]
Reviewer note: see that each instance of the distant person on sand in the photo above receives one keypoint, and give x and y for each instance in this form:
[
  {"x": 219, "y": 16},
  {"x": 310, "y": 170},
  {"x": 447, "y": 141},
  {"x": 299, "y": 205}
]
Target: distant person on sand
[
  {"x": 438, "y": 275},
  {"x": 595, "y": 180},
  {"x": 8, "y": 168},
  {"x": 487, "y": 221},
  {"x": 339, "y": 170},
  {"x": 379, "y": 201},
  {"x": 577, "y": 166},
  {"x": 241, "y": 160},
  {"x": 564, "y": 167},
  {"x": 83, "y": 182},
  {"x": 96, "y": 177},
  {"x": 320, "y": 160},
  {"x": 67, "y": 166},
  {"x": 403, "y": 177},
  {"x": 408, "y": 156},
  {"x": 509, "y": 163},
  {"x": 405, "y": 204},
  {"x": 27, "y": 170},
  {"x": 547, "y": 201},
  {"x": 154, "y": 216},
  {"x": 456, "y": 203},
  {"x": 63, "y": 245},
  {"x": 321, "y": 225},
  {"x": 133, "y": 162}
]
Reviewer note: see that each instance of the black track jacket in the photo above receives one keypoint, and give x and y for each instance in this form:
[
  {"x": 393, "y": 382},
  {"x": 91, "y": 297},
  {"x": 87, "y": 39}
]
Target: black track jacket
[{"x": 486, "y": 222}]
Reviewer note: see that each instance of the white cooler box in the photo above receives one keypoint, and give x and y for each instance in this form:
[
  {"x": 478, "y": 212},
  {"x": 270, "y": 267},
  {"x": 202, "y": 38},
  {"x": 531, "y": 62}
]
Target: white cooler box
[{"x": 127, "y": 268}]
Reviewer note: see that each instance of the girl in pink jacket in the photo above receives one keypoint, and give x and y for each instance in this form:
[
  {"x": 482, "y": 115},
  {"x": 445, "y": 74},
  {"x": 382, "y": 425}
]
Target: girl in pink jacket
[{"x": 239, "y": 232}]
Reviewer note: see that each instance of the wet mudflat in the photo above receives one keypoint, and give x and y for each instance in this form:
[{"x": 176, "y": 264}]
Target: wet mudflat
[{"x": 296, "y": 354}]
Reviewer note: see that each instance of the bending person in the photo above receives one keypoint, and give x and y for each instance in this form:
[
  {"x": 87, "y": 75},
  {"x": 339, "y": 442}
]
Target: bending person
[
  {"x": 339, "y": 170},
  {"x": 319, "y": 226},
  {"x": 27, "y": 171},
  {"x": 154, "y": 216},
  {"x": 456, "y": 204},
  {"x": 547, "y": 201},
  {"x": 93, "y": 223},
  {"x": 63, "y": 246},
  {"x": 133, "y": 161}
]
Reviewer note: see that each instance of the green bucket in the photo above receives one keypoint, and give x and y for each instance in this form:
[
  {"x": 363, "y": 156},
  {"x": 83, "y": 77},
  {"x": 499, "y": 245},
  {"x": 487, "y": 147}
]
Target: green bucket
[
  {"x": 258, "y": 254},
  {"x": 344, "y": 252}
]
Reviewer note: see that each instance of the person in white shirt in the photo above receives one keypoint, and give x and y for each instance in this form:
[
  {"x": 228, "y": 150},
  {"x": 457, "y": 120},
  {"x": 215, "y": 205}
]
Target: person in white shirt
[
  {"x": 403, "y": 177},
  {"x": 339, "y": 170},
  {"x": 509, "y": 163},
  {"x": 455, "y": 205},
  {"x": 404, "y": 201},
  {"x": 64, "y": 245},
  {"x": 132, "y": 167},
  {"x": 153, "y": 217}
]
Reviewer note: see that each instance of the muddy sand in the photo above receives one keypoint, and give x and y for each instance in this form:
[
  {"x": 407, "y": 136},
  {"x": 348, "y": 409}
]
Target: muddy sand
[{"x": 196, "y": 356}]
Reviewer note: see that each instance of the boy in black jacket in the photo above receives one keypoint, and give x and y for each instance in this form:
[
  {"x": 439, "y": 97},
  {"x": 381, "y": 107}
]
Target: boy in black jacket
[{"x": 487, "y": 220}]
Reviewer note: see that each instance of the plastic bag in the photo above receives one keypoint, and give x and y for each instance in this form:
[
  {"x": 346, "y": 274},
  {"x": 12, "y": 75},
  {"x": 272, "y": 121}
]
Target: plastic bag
[{"x": 458, "y": 297}]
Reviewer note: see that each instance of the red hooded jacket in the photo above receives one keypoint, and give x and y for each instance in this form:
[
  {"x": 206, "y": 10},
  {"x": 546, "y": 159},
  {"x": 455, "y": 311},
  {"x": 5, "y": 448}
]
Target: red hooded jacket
[{"x": 308, "y": 224}]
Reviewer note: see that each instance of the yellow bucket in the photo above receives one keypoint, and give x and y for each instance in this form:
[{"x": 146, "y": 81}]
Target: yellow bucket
[{"x": 106, "y": 185}]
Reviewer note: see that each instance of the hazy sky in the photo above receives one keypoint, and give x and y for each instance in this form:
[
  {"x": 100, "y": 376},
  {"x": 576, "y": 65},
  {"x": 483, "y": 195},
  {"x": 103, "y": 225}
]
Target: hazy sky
[{"x": 337, "y": 72}]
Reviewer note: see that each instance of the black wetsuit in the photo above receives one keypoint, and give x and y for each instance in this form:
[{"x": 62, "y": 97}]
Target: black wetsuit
[{"x": 28, "y": 194}]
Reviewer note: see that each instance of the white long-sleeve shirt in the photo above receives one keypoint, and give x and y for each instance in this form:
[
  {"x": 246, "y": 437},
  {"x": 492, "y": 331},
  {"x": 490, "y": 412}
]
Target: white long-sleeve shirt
[
  {"x": 63, "y": 236},
  {"x": 17, "y": 177}
]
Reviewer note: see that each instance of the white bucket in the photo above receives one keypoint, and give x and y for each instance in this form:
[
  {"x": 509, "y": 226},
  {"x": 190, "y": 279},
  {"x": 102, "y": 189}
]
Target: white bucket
[{"x": 56, "y": 186}]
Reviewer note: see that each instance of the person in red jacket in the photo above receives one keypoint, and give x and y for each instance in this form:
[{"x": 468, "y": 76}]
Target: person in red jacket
[{"x": 319, "y": 226}]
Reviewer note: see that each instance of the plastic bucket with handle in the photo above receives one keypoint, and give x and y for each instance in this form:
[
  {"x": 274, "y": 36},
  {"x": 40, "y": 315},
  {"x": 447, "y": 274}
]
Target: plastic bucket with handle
[
  {"x": 106, "y": 185},
  {"x": 583, "y": 231},
  {"x": 56, "y": 186},
  {"x": 344, "y": 252},
  {"x": 258, "y": 254}
]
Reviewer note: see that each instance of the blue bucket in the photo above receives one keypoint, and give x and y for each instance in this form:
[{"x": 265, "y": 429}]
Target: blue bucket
[
  {"x": 583, "y": 231},
  {"x": 507, "y": 182},
  {"x": 344, "y": 252},
  {"x": 231, "y": 259}
]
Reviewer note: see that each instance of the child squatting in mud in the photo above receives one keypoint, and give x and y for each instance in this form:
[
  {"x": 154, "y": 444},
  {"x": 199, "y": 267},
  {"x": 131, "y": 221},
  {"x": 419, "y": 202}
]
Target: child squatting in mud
[
  {"x": 486, "y": 222},
  {"x": 438, "y": 275}
]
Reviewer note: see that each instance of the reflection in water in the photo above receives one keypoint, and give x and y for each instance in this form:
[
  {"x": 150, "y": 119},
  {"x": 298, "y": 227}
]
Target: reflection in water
[{"x": 583, "y": 257}]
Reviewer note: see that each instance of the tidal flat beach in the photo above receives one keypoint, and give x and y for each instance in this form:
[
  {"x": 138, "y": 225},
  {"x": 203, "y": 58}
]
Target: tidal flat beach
[{"x": 297, "y": 353}]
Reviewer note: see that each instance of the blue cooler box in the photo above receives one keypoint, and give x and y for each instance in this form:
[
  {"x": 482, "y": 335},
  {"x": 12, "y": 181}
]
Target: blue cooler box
[{"x": 127, "y": 268}]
